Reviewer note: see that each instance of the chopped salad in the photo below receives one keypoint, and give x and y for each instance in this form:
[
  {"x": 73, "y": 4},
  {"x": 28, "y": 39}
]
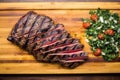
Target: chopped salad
[{"x": 103, "y": 33}]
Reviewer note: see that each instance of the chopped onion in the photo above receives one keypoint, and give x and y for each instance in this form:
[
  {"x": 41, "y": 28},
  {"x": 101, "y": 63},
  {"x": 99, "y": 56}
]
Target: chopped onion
[{"x": 101, "y": 19}]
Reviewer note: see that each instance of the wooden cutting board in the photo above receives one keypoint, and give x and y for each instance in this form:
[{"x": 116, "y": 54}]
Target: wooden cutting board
[{"x": 14, "y": 60}]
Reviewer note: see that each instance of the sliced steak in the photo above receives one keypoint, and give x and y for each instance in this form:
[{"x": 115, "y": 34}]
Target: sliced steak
[
  {"x": 81, "y": 55},
  {"x": 50, "y": 39},
  {"x": 58, "y": 43},
  {"x": 56, "y": 50},
  {"x": 17, "y": 29},
  {"x": 34, "y": 31},
  {"x": 69, "y": 54},
  {"x": 46, "y": 41},
  {"x": 46, "y": 25},
  {"x": 56, "y": 30},
  {"x": 29, "y": 24},
  {"x": 72, "y": 59},
  {"x": 71, "y": 63},
  {"x": 32, "y": 38}
]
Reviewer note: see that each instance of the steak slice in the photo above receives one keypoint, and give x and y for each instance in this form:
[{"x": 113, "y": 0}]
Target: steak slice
[
  {"x": 50, "y": 39},
  {"x": 32, "y": 39},
  {"x": 71, "y": 63},
  {"x": 29, "y": 24},
  {"x": 68, "y": 55},
  {"x": 58, "y": 43},
  {"x": 17, "y": 29},
  {"x": 72, "y": 59},
  {"x": 56, "y": 30},
  {"x": 45, "y": 55},
  {"x": 74, "y": 55},
  {"x": 46, "y": 25}
]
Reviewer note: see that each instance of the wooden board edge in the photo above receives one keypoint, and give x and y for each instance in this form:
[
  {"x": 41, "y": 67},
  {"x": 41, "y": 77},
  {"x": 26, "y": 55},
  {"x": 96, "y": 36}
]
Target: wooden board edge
[
  {"x": 25, "y": 68},
  {"x": 59, "y": 5}
]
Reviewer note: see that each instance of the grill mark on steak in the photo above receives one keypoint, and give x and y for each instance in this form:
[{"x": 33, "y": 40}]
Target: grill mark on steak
[
  {"x": 58, "y": 27},
  {"x": 34, "y": 30},
  {"x": 36, "y": 26},
  {"x": 27, "y": 28},
  {"x": 43, "y": 23},
  {"x": 46, "y": 26},
  {"x": 50, "y": 33},
  {"x": 30, "y": 46},
  {"x": 22, "y": 21},
  {"x": 59, "y": 43},
  {"x": 72, "y": 60},
  {"x": 66, "y": 41},
  {"x": 21, "y": 28},
  {"x": 71, "y": 63},
  {"x": 31, "y": 33},
  {"x": 49, "y": 39},
  {"x": 75, "y": 54},
  {"x": 18, "y": 27},
  {"x": 46, "y": 57},
  {"x": 63, "y": 48},
  {"x": 54, "y": 56}
]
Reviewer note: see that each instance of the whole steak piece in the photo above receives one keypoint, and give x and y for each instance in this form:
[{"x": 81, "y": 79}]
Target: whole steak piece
[{"x": 48, "y": 42}]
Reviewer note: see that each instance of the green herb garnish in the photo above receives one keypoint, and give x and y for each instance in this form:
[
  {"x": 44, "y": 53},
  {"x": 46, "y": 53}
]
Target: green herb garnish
[{"x": 103, "y": 33}]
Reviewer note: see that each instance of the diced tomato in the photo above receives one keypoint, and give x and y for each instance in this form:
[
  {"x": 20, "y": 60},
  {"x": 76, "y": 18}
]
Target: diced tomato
[
  {"x": 86, "y": 25},
  {"x": 94, "y": 17},
  {"x": 101, "y": 36},
  {"x": 109, "y": 32},
  {"x": 98, "y": 52}
]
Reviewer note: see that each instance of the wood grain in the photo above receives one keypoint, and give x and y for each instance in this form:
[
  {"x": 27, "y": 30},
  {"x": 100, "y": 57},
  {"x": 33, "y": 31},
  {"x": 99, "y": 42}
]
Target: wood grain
[
  {"x": 14, "y": 60},
  {"x": 46, "y": 68},
  {"x": 59, "y": 5},
  {"x": 59, "y": 0}
]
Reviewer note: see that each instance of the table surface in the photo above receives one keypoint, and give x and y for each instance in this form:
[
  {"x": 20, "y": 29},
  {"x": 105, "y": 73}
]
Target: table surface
[{"x": 61, "y": 77}]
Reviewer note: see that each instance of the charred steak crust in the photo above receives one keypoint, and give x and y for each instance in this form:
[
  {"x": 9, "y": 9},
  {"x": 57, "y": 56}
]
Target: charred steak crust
[
  {"x": 45, "y": 21},
  {"x": 50, "y": 58},
  {"x": 46, "y": 41},
  {"x": 44, "y": 37},
  {"x": 15, "y": 32},
  {"x": 27, "y": 28}
]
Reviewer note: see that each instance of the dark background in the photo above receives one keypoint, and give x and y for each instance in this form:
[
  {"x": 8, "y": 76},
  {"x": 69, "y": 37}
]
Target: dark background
[
  {"x": 63, "y": 76},
  {"x": 59, "y": 0}
]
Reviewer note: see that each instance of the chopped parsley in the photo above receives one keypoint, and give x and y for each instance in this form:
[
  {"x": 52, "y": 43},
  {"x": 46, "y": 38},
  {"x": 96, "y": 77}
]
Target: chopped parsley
[{"x": 103, "y": 33}]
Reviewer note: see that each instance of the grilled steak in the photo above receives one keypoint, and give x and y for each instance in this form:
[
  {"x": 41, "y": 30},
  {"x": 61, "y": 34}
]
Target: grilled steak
[
  {"x": 16, "y": 31},
  {"x": 72, "y": 59},
  {"x": 58, "y": 43},
  {"x": 47, "y": 58},
  {"x": 47, "y": 41},
  {"x": 28, "y": 26},
  {"x": 50, "y": 39}
]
